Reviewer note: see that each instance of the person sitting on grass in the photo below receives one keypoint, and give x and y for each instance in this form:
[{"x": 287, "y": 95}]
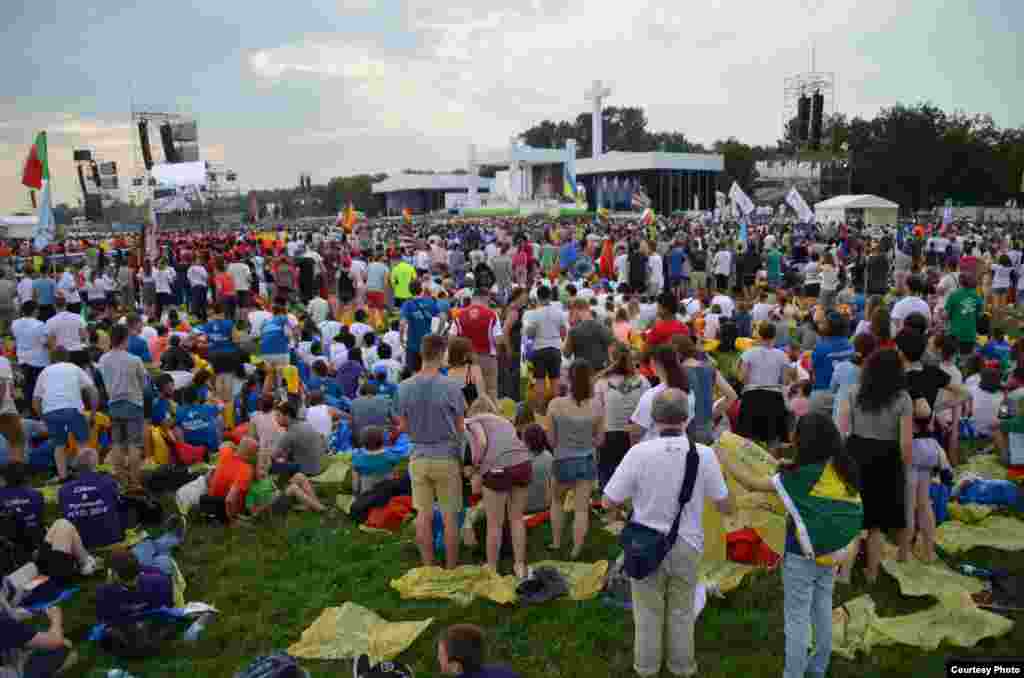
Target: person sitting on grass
[
  {"x": 198, "y": 424},
  {"x": 24, "y": 651},
  {"x": 461, "y": 651},
  {"x": 231, "y": 479},
  {"x": 141, "y": 578},
  {"x": 91, "y": 501},
  {"x": 372, "y": 464},
  {"x": 301, "y": 448},
  {"x": 23, "y": 502},
  {"x": 265, "y": 499}
]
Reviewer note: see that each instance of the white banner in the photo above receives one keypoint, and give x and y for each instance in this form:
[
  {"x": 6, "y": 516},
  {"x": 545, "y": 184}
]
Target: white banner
[
  {"x": 799, "y": 205},
  {"x": 741, "y": 199},
  {"x": 178, "y": 186}
]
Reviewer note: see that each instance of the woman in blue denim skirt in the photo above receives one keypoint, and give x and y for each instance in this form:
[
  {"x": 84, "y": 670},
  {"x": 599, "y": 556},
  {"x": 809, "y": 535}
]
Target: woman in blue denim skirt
[
  {"x": 575, "y": 434},
  {"x": 824, "y": 517}
]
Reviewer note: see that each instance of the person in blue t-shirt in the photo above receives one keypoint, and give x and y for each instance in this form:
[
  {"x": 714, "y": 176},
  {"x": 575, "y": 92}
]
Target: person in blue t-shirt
[
  {"x": 90, "y": 502},
  {"x": 45, "y": 290},
  {"x": 222, "y": 350},
  {"x": 275, "y": 336},
  {"x": 137, "y": 346},
  {"x": 198, "y": 424},
  {"x": 676, "y": 257},
  {"x": 831, "y": 348},
  {"x": 417, "y": 317},
  {"x": 567, "y": 255}
]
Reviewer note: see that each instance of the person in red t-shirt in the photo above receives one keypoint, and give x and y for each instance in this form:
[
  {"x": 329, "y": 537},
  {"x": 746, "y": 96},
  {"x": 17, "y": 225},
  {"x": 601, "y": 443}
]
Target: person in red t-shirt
[
  {"x": 667, "y": 324},
  {"x": 478, "y": 323},
  {"x": 231, "y": 479}
]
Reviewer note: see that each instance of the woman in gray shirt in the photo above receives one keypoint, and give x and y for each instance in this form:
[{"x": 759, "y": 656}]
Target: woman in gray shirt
[{"x": 577, "y": 429}]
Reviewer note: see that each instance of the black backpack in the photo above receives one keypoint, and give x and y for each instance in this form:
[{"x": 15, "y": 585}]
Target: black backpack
[
  {"x": 484, "y": 276},
  {"x": 727, "y": 335}
]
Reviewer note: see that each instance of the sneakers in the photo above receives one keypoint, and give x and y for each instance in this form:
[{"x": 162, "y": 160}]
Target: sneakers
[{"x": 91, "y": 566}]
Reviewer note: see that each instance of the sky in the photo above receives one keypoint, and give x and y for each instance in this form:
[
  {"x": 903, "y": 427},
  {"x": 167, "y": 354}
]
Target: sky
[{"x": 336, "y": 88}]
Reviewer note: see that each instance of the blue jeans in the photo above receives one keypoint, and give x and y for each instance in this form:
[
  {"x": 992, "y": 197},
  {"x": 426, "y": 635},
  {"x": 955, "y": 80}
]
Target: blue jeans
[
  {"x": 807, "y": 601},
  {"x": 157, "y": 553}
]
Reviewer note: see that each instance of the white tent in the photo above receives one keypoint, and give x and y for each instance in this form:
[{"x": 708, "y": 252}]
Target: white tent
[{"x": 870, "y": 209}]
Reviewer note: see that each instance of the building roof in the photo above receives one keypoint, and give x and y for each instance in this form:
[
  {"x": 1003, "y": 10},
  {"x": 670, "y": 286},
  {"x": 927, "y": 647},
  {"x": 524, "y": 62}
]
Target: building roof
[
  {"x": 428, "y": 182},
  {"x": 620, "y": 161},
  {"x": 856, "y": 202}
]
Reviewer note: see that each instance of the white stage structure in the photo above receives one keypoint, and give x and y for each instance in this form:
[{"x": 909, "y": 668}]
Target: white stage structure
[
  {"x": 597, "y": 95},
  {"x": 531, "y": 179}
]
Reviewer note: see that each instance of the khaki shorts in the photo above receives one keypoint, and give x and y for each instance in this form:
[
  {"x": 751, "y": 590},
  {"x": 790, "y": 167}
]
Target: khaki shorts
[
  {"x": 439, "y": 479},
  {"x": 698, "y": 280}
]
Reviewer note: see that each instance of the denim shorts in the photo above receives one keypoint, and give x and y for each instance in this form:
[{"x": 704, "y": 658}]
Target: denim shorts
[
  {"x": 575, "y": 469},
  {"x": 61, "y": 423}
]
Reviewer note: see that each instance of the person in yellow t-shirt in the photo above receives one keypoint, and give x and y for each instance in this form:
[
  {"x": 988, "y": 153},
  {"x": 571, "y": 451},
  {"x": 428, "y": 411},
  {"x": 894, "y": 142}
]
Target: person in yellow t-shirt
[{"x": 402, "y": 274}]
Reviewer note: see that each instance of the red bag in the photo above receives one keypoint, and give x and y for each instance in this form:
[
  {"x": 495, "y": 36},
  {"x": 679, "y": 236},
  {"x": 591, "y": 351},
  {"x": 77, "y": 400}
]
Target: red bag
[
  {"x": 391, "y": 515},
  {"x": 189, "y": 454},
  {"x": 746, "y": 546}
]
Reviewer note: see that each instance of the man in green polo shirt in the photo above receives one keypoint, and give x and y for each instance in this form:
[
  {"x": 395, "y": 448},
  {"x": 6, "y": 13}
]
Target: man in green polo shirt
[{"x": 964, "y": 308}]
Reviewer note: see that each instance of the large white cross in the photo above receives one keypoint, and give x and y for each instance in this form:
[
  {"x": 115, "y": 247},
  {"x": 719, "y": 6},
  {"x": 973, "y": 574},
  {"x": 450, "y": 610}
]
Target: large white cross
[{"x": 597, "y": 94}]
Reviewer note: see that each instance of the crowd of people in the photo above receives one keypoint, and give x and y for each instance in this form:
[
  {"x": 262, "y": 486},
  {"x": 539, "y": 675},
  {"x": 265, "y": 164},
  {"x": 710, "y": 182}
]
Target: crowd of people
[{"x": 526, "y": 360}]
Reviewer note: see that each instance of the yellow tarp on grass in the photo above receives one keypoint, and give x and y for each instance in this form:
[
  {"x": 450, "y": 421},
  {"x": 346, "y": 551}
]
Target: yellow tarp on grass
[
  {"x": 337, "y": 471},
  {"x": 344, "y": 502},
  {"x": 761, "y": 511},
  {"x": 351, "y": 630},
  {"x": 724, "y": 575},
  {"x": 936, "y": 579},
  {"x": 969, "y": 513},
  {"x": 467, "y": 582},
  {"x": 999, "y": 532},
  {"x": 856, "y": 626},
  {"x": 988, "y": 466}
]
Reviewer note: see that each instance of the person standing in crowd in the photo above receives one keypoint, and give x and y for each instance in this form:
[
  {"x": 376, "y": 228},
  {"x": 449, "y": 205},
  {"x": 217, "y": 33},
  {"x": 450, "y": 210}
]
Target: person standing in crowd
[
  {"x": 546, "y": 325},
  {"x": 588, "y": 339},
  {"x": 505, "y": 470},
  {"x": 764, "y": 371},
  {"x": 878, "y": 272},
  {"x": 242, "y": 276},
  {"x": 617, "y": 392},
  {"x": 417, "y": 319},
  {"x": 431, "y": 409},
  {"x": 464, "y": 370},
  {"x": 811, "y": 555},
  {"x": 199, "y": 286},
  {"x": 8, "y": 301},
  {"x": 402, "y": 275},
  {"x": 577, "y": 430},
  {"x": 377, "y": 286},
  {"x": 60, "y": 398},
  {"x": 832, "y": 347},
  {"x": 67, "y": 285},
  {"x": 224, "y": 285},
  {"x": 651, "y": 477},
  {"x": 481, "y": 325},
  {"x": 510, "y": 347},
  {"x": 126, "y": 285},
  {"x": 68, "y": 330},
  {"x": 964, "y": 308},
  {"x": 163, "y": 280},
  {"x": 31, "y": 345},
  {"x": 11, "y": 427},
  {"x": 125, "y": 378},
  {"x": 877, "y": 418}
]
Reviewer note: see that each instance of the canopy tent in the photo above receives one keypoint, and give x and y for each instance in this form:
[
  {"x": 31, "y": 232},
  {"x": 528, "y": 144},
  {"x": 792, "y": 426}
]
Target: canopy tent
[{"x": 869, "y": 209}]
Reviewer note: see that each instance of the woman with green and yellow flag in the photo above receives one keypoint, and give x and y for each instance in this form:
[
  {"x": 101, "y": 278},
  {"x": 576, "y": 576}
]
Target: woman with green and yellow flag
[{"x": 824, "y": 516}]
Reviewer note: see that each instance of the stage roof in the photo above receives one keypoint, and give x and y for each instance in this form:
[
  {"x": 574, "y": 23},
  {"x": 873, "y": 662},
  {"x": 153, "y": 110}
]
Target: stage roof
[
  {"x": 428, "y": 182},
  {"x": 851, "y": 202},
  {"x": 620, "y": 161}
]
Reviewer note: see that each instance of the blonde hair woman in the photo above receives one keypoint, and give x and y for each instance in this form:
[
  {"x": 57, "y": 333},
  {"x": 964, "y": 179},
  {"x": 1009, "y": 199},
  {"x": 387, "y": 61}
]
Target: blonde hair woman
[{"x": 505, "y": 470}]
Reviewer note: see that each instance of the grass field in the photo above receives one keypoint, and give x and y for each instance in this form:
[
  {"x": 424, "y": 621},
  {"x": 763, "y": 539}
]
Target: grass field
[{"x": 272, "y": 580}]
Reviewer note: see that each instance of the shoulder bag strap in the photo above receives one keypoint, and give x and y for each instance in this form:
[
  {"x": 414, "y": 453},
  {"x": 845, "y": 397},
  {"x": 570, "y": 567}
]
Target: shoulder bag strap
[{"x": 689, "y": 480}]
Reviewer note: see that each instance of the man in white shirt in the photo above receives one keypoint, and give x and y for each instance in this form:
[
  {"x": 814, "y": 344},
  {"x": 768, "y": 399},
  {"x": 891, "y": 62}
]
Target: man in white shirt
[
  {"x": 60, "y": 397},
  {"x": 199, "y": 284},
  {"x": 547, "y": 326},
  {"x": 723, "y": 268},
  {"x": 651, "y": 475},
  {"x": 30, "y": 342},
  {"x": 68, "y": 331},
  {"x": 69, "y": 287},
  {"x": 909, "y": 305},
  {"x": 318, "y": 309},
  {"x": 357, "y": 271},
  {"x": 241, "y": 274},
  {"x": 163, "y": 278},
  {"x": 725, "y": 303}
]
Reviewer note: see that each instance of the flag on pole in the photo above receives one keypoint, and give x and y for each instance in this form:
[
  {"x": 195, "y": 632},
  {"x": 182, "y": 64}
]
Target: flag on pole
[
  {"x": 741, "y": 199},
  {"x": 647, "y": 218},
  {"x": 350, "y": 218},
  {"x": 799, "y": 205},
  {"x": 407, "y": 215},
  {"x": 46, "y": 228},
  {"x": 37, "y": 168}
]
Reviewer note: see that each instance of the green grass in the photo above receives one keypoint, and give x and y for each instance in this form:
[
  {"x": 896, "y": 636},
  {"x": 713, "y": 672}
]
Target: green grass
[{"x": 272, "y": 580}]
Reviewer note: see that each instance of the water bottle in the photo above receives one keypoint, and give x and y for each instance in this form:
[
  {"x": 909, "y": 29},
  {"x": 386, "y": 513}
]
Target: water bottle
[{"x": 196, "y": 629}]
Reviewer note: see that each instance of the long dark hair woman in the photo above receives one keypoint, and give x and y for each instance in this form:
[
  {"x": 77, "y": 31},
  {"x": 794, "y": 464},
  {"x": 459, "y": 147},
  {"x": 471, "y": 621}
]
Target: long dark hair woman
[
  {"x": 509, "y": 346},
  {"x": 829, "y": 526},
  {"x": 877, "y": 417},
  {"x": 670, "y": 375}
]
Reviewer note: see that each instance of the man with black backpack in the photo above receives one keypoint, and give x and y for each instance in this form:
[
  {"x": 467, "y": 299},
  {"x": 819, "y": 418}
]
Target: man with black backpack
[{"x": 667, "y": 480}]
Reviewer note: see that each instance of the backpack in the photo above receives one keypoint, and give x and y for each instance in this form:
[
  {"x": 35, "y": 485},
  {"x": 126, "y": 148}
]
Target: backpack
[
  {"x": 484, "y": 276},
  {"x": 277, "y": 665},
  {"x": 727, "y": 335}
]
